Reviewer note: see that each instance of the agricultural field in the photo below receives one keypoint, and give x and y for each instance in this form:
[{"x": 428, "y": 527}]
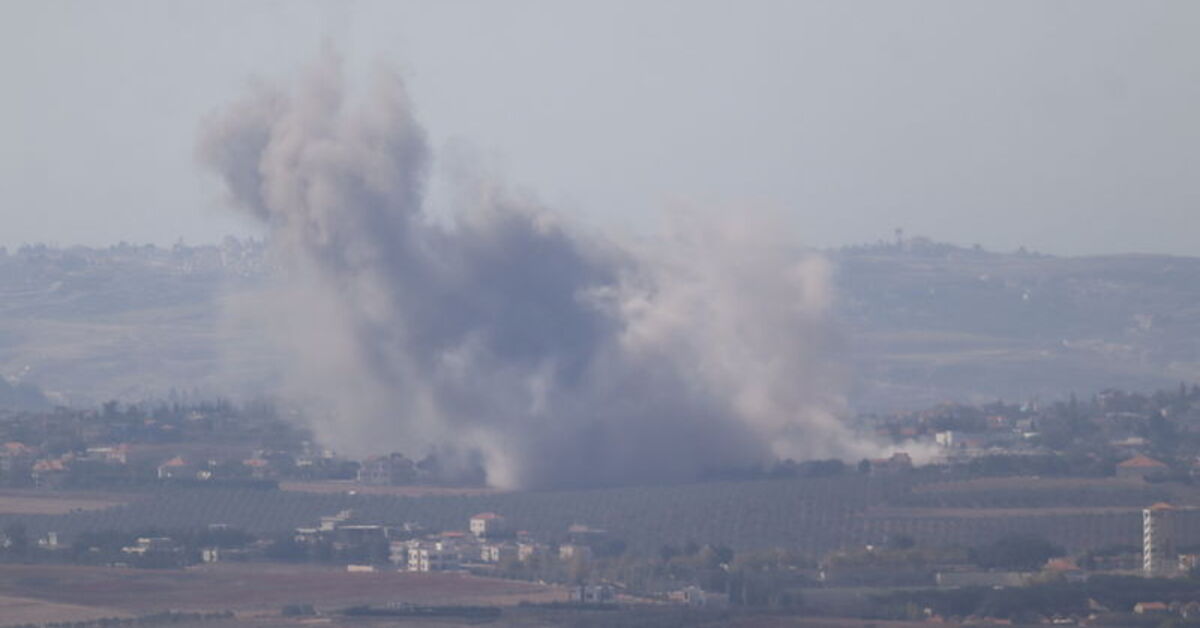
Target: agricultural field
[
  {"x": 28, "y": 502},
  {"x": 1036, "y": 492},
  {"x": 326, "y": 487},
  {"x": 809, "y": 515},
  {"x": 44, "y": 593},
  {"x": 16, "y": 610}
]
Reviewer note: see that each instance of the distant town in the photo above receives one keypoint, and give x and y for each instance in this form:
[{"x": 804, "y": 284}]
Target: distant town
[{"x": 1083, "y": 511}]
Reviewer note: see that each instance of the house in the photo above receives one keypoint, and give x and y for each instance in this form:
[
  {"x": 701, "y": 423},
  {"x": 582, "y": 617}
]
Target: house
[
  {"x": 899, "y": 462},
  {"x": 530, "y": 551},
  {"x": 585, "y": 534},
  {"x": 436, "y": 556},
  {"x": 572, "y": 551},
  {"x": 50, "y": 541},
  {"x": 259, "y": 468},
  {"x": 158, "y": 551},
  {"x": 388, "y": 470},
  {"x": 1066, "y": 569},
  {"x": 487, "y": 524},
  {"x": 1140, "y": 467},
  {"x": 981, "y": 579},
  {"x": 49, "y": 473},
  {"x": 178, "y": 468},
  {"x": 696, "y": 597},
  {"x": 150, "y": 544},
  {"x": 360, "y": 534},
  {"x": 497, "y": 552},
  {"x": 330, "y": 523},
  {"x": 398, "y": 552},
  {"x": 16, "y": 461},
  {"x": 591, "y": 594},
  {"x": 116, "y": 454}
]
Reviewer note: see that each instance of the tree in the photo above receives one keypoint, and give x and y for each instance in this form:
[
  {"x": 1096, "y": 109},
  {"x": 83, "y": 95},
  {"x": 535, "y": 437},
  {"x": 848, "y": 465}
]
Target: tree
[
  {"x": 16, "y": 541},
  {"x": 1018, "y": 552}
]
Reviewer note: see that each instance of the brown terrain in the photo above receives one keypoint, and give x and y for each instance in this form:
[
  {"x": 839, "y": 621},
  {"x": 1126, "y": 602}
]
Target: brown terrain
[
  {"x": 48, "y": 593},
  {"x": 350, "y": 486},
  {"x": 31, "y": 502}
]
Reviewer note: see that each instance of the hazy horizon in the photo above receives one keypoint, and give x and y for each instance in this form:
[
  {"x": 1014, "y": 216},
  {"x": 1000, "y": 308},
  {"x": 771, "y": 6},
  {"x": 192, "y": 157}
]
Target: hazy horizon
[{"x": 1064, "y": 130}]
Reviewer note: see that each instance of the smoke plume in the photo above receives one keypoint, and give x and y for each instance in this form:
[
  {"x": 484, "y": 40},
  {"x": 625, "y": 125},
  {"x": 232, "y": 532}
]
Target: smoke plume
[{"x": 549, "y": 356}]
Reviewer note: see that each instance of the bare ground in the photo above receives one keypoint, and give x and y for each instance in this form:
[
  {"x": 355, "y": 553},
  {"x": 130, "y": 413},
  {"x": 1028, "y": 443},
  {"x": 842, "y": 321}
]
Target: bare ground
[{"x": 31, "y": 502}]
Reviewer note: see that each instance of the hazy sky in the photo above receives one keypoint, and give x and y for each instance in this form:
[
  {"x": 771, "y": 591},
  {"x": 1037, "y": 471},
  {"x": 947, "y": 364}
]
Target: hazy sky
[{"x": 1067, "y": 127}]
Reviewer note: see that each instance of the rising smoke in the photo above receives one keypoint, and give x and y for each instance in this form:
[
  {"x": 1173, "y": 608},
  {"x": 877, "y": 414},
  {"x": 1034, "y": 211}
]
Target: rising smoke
[{"x": 549, "y": 357}]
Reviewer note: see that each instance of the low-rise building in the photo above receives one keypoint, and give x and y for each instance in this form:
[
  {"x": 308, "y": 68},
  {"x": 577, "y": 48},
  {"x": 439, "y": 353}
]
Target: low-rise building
[
  {"x": 497, "y": 552},
  {"x": 158, "y": 551},
  {"x": 487, "y": 524},
  {"x": 1141, "y": 467},
  {"x": 592, "y": 594},
  {"x": 436, "y": 556},
  {"x": 573, "y": 551},
  {"x": 529, "y": 551},
  {"x": 699, "y": 598},
  {"x": 1151, "y": 608},
  {"x": 388, "y": 470}
]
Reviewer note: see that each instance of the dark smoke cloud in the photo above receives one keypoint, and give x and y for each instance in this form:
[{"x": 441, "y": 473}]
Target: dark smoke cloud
[{"x": 553, "y": 358}]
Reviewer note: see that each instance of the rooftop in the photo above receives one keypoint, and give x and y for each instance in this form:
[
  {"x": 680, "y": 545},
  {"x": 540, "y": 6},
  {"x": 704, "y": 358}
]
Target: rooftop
[{"x": 1141, "y": 461}]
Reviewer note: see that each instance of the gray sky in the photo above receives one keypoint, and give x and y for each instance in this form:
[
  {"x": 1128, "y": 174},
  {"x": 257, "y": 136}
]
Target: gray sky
[{"x": 1068, "y": 127}]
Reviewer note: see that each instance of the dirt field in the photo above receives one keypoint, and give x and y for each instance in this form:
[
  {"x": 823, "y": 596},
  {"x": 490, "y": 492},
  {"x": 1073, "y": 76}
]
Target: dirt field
[
  {"x": 346, "y": 486},
  {"x": 19, "y": 502},
  {"x": 257, "y": 591},
  {"x": 21, "y": 610},
  {"x": 993, "y": 513},
  {"x": 248, "y": 588},
  {"x": 1028, "y": 483}
]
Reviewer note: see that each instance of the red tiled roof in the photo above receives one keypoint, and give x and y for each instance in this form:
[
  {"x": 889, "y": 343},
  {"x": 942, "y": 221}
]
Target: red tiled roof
[
  {"x": 49, "y": 465},
  {"x": 1140, "y": 461},
  {"x": 1061, "y": 564}
]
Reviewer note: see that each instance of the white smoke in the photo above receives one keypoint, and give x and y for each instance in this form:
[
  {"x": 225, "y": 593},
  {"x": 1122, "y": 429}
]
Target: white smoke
[{"x": 503, "y": 334}]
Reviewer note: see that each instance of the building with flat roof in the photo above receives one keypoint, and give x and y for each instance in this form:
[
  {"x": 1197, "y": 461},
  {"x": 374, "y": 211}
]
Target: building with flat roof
[{"x": 1159, "y": 557}]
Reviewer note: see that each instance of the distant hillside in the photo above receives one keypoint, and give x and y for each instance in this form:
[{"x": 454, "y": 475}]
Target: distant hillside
[
  {"x": 922, "y": 322},
  {"x": 928, "y": 322},
  {"x": 21, "y": 396}
]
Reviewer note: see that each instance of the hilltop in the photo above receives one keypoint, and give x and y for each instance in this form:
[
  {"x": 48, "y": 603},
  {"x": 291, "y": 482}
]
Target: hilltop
[{"x": 921, "y": 322}]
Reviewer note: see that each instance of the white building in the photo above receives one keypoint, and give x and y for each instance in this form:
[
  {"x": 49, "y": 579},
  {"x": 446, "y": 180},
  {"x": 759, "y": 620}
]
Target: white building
[
  {"x": 436, "y": 556},
  {"x": 529, "y": 551},
  {"x": 1158, "y": 541},
  {"x": 571, "y": 551},
  {"x": 497, "y": 552},
  {"x": 487, "y": 524}
]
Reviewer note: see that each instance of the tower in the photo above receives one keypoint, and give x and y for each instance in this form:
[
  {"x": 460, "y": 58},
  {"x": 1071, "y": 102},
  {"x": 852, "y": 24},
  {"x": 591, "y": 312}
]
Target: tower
[{"x": 1158, "y": 540}]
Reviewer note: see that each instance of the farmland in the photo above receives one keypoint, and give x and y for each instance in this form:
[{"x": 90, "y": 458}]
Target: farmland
[
  {"x": 26, "y": 502},
  {"x": 809, "y": 515},
  {"x": 349, "y": 486},
  {"x": 63, "y": 593}
]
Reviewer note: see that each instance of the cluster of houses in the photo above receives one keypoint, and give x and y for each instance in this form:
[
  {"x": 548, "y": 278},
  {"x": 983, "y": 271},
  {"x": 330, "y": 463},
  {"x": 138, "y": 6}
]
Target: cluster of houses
[
  {"x": 22, "y": 464},
  {"x": 121, "y": 464},
  {"x": 488, "y": 540}
]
